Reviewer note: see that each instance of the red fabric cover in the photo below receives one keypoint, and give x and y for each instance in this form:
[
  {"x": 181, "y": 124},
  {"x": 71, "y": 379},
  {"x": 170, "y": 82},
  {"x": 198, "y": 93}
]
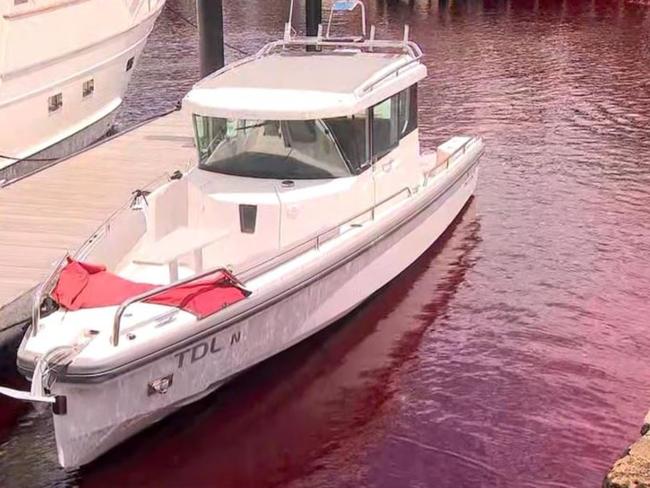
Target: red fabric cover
[
  {"x": 84, "y": 285},
  {"x": 202, "y": 298}
]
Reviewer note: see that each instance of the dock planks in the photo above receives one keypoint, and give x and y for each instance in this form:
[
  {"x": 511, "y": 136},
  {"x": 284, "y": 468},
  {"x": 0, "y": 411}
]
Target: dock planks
[{"x": 51, "y": 212}]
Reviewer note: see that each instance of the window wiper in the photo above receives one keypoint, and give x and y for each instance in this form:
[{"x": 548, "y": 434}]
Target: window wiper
[{"x": 261, "y": 124}]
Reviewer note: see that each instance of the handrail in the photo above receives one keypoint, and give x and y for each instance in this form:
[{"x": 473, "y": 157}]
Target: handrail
[
  {"x": 411, "y": 48},
  {"x": 462, "y": 149},
  {"x": 369, "y": 84},
  {"x": 40, "y": 291},
  {"x": 115, "y": 338},
  {"x": 81, "y": 252},
  {"x": 314, "y": 241}
]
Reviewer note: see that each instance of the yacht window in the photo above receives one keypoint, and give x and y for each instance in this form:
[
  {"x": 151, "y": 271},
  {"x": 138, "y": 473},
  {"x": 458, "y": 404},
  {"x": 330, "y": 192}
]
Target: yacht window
[
  {"x": 350, "y": 134},
  {"x": 385, "y": 126},
  {"x": 408, "y": 110},
  {"x": 55, "y": 102},
  {"x": 88, "y": 87},
  {"x": 295, "y": 149}
]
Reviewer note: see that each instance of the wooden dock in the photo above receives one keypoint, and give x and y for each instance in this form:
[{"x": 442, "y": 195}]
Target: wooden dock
[{"x": 56, "y": 210}]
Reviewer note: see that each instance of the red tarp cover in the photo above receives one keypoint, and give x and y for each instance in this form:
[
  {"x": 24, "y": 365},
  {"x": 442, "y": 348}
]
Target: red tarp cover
[{"x": 84, "y": 285}]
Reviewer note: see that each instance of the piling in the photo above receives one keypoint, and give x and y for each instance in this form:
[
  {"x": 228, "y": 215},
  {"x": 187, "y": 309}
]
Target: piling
[
  {"x": 314, "y": 17},
  {"x": 211, "y": 48}
]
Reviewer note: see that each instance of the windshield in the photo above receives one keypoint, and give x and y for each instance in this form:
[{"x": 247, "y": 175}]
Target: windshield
[{"x": 295, "y": 149}]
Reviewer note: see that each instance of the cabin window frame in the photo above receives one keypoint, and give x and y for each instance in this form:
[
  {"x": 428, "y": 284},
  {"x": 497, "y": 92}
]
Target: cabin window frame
[
  {"x": 355, "y": 167},
  {"x": 378, "y": 153},
  {"x": 207, "y": 144},
  {"x": 404, "y": 126},
  {"x": 409, "y": 123}
]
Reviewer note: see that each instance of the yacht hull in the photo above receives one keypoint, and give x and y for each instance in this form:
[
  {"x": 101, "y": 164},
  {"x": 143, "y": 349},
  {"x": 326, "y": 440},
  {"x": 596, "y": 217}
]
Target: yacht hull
[
  {"x": 40, "y": 135},
  {"x": 103, "y": 412},
  {"x": 68, "y": 146}
]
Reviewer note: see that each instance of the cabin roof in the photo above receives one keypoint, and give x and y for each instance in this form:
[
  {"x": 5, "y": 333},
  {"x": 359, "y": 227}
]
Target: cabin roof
[
  {"x": 301, "y": 85},
  {"x": 339, "y": 72}
]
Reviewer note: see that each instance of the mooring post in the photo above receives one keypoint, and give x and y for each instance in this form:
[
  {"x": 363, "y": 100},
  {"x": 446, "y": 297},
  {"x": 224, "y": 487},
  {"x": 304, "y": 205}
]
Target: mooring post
[
  {"x": 314, "y": 14},
  {"x": 210, "y": 22}
]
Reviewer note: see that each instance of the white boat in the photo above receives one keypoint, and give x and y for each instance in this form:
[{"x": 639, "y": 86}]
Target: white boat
[
  {"x": 309, "y": 195},
  {"x": 64, "y": 68}
]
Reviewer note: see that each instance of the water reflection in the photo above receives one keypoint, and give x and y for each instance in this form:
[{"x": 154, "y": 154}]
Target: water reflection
[
  {"x": 511, "y": 355},
  {"x": 311, "y": 406}
]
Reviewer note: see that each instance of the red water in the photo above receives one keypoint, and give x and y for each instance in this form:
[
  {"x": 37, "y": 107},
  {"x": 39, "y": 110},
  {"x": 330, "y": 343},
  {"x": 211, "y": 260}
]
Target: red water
[{"x": 514, "y": 353}]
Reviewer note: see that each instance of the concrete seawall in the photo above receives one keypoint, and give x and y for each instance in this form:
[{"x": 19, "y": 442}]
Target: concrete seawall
[{"x": 632, "y": 470}]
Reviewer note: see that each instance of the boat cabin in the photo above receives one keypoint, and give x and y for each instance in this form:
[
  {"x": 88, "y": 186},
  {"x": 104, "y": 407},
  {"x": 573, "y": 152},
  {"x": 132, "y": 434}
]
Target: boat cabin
[{"x": 291, "y": 143}]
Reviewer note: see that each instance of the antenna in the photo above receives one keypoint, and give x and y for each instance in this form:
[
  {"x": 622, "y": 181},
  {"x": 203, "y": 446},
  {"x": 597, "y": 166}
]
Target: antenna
[{"x": 290, "y": 21}]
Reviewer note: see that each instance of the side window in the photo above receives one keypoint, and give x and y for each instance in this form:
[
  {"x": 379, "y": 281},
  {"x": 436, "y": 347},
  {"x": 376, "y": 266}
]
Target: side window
[
  {"x": 408, "y": 111},
  {"x": 385, "y": 126},
  {"x": 55, "y": 102}
]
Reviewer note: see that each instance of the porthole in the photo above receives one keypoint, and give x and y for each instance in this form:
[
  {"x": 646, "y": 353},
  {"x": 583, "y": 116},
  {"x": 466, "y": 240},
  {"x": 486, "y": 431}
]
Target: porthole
[
  {"x": 88, "y": 87},
  {"x": 55, "y": 102}
]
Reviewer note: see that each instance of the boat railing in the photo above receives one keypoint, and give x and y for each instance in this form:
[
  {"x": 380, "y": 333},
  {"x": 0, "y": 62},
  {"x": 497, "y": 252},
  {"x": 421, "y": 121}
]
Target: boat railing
[
  {"x": 115, "y": 337},
  {"x": 82, "y": 252},
  {"x": 253, "y": 270},
  {"x": 257, "y": 268},
  {"x": 450, "y": 157},
  {"x": 320, "y": 42},
  {"x": 411, "y": 48},
  {"x": 247, "y": 272}
]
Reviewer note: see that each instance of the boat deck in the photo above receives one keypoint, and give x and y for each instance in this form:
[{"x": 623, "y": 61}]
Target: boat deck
[{"x": 51, "y": 212}]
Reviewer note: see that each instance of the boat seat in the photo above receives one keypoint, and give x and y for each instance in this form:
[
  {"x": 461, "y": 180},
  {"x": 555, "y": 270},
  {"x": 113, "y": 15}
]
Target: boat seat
[{"x": 169, "y": 249}]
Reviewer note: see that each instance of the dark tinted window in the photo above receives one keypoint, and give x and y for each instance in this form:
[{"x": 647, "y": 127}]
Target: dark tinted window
[
  {"x": 300, "y": 149},
  {"x": 385, "y": 127},
  {"x": 408, "y": 110}
]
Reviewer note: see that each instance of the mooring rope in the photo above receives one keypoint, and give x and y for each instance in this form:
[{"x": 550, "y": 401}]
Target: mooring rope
[{"x": 189, "y": 22}]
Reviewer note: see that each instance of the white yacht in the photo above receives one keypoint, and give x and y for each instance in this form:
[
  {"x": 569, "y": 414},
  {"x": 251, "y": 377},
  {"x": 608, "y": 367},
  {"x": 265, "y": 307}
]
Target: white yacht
[
  {"x": 310, "y": 193},
  {"x": 64, "y": 68}
]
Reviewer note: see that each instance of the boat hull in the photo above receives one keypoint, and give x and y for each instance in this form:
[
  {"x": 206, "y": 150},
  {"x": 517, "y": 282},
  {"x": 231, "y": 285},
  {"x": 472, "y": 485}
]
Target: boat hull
[
  {"x": 75, "y": 143},
  {"x": 39, "y": 136},
  {"x": 101, "y": 415}
]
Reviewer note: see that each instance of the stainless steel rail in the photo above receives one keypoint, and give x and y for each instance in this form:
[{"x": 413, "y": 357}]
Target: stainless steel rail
[
  {"x": 461, "y": 150},
  {"x": 253, "y": 270},
  {"x": 82, "y": 251},
  {"x": 409, "y": 48},
  {"x": 43, "y": 289},
  {"x": 115, "y": 338},
  {"x": 370, "y": 45},
  {"x": 246, "y": 273},
  {"x": 313, "y": 242}
]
